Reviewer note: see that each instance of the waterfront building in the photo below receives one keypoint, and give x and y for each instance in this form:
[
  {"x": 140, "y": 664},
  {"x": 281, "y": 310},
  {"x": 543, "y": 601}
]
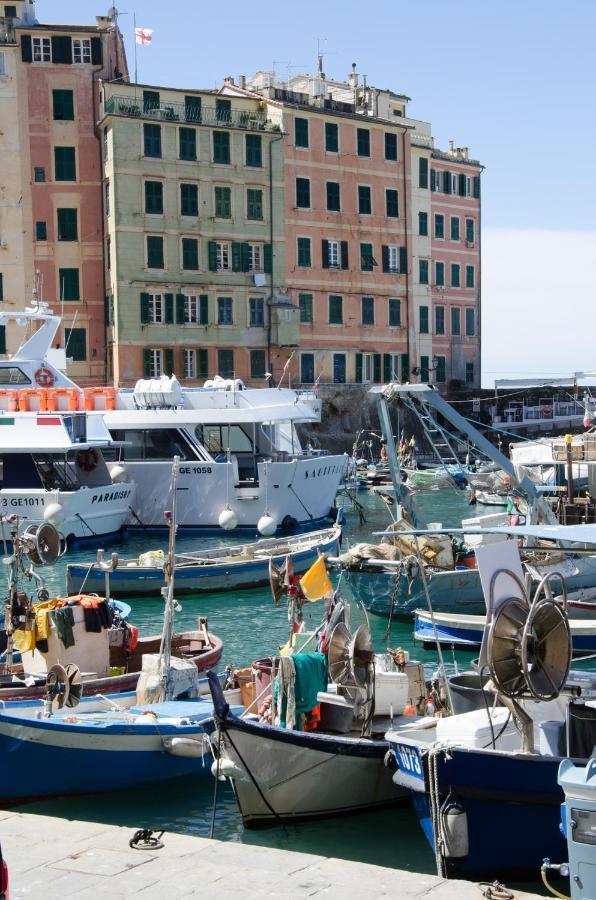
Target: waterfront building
[
  {"x": 195, "y": 249},
  {"x": 50, "y": 169}
]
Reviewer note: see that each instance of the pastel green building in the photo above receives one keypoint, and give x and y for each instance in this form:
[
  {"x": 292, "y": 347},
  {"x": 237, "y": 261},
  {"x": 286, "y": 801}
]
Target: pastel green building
[{"x": 194, "y": 230}]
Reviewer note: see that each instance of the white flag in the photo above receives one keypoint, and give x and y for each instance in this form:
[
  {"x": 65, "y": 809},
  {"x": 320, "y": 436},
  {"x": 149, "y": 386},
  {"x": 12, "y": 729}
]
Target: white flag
[{"x": 144, "y": 35}]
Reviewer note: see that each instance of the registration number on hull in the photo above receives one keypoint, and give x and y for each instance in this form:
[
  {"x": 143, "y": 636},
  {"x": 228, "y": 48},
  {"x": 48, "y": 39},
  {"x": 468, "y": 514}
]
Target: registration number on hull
[{"x": 409, "y": 760}]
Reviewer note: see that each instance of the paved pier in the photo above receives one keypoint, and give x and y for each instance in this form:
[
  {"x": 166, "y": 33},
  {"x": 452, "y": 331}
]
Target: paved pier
[{"x": 54, "y": 858}]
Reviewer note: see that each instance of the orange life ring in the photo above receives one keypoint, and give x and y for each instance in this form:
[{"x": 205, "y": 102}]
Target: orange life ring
[
  {"x": 87, "y": 460},
  {"x": 133, "y": 638},
  {"x": 44, "y": 377}
]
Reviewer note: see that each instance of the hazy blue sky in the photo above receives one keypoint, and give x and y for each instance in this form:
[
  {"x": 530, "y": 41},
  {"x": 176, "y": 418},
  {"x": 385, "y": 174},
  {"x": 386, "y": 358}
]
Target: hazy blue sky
[{"x": 513, "y": 80}]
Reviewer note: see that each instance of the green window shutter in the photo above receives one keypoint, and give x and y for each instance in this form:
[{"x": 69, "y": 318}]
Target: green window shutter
[
  {"x": 403, "y": 260},
  {"x": 394, "y": 312},
  {"x": 447, "y": 182},
  {"x": 476, "y": 187},
  {"x": 221, "y": 147},
  {"x": 254, "y": 204},
  {"x": 331, "y": 137},
  {"x": 268, "y": 258},
  {"x": 155, "y": 257},
  {"x": 257, "y": 363},
  {"x": 387, "y": 368},
  {"x": 455, "y": 282},
  {"x": 455, "y": 228},
  {"x": 390, "y": 146},
  {"x": 180, "y": 309},
  {"x": 344, "y": 255},
  {"x": 76, "y": 343},
  {"x": 212, "y": 252},
  {"x": 469, "y": 276},
  {"x": 67, "y": 224},
  {"x": 204, "y": 310},
  {"x": 168, "y": 361},
  {"x": 154, "y": 197},
  {"x": 236, "y": 257},
  {"x": 405, "y": 367},
  {"x": 301, "y": 132},
  {"x": 62, "y": 50},
  {"x": 385, "y": 258},
  {"x": 470, "y": 231},
  {"x": 169, "y": 299},
  {"x": 424, "y": 320},
  {"x": 26, "y": 48},
  {"x": 424, "y": 368},
  {"x": 440, "y": 320},
  {"x": 188, "y": 143},
  {"x": 335, "y": 309},
  {"x": 461, "y": 180},
  {"x": 245, "y": 256},
  {"x": 305, "y": 303},
  {"x": 440, "y": 274},
  {"x": 423, "y": 224},
  {"x": 439, "y": 225},
  {"x": 202, "y": 363},
  {"x": 254, "y": 151},
  {"x": 304, "y": 252},
  {"x": 392, "y": 203},
  {"x": 41, "y": 231},
  {"x": 69, "y": 284},
  {"x": 325, "y": 253},
  {"x": 96, "y": 52},
  {"x": 377, "y": 368},
  {"x": 2, "y": 338},
  {"x": 440, "y": 370},
  {"x": 423, "y": 172},
  {"x": 1, "y": 287},
  {"x": 189, "y": 200},
  {"x": 152, "y": 140},
  {"x": 470, "y": 373},
  {"x": 359, "y": 368},
  {"x": 147, "y": 363},
  {"x": 190, "y": 254},
  {"x": 151, "y": 101},
  {"x": 63, "y": 105}
]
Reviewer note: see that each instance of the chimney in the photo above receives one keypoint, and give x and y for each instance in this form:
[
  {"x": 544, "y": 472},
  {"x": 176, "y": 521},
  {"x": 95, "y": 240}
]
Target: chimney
[
  {"x": 451, "y": 146},
  {"x": 353, "y": 77},
  {"x": 103, "y": 23},
  {"x": 320, "y": 72},
  {"x": 228, "y": 79},
  {"x": 242, "y": 81}
]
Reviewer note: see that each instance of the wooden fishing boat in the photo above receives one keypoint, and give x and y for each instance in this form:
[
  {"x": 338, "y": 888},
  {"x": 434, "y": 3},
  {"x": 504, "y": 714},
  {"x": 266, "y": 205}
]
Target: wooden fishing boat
[{"x": 221, "y": 568}]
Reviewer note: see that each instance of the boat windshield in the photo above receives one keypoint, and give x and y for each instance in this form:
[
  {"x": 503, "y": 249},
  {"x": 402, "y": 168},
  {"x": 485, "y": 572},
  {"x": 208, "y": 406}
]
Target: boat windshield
[
  {"x": 150, "y": 445},
  {"x": 13, "y": 375}
]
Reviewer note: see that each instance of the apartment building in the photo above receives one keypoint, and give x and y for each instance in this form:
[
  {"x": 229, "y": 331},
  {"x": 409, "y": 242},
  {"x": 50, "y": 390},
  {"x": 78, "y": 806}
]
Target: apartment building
[
  {"x": 195, "y": 244},
  {"x": 51, "y": 237}
]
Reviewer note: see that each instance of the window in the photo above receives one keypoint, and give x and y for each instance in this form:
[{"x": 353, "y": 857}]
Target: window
[
  {"x": 470, "y": 322},
  {"x": 301, "y": 132},
  {"x": 42, "y": 49},
  {"x": 423, "y": 319},
  {"x": 331, "y": 137},
  {"x": 390, "y": 258},
  {"x": 41, "y": 231},
  {"x": 303, "y": 193},
  {"x": 189, "y": 200},
  {"x": 364, "y": 200},
  {"x": 69, "y": 284},
  {"x": 221, "y": 147},
  {"x": 10, "y": 12},
  {"x": 336, "y": 315},
  {"x": 190, "y": 363},
  {"x": 423, "y": 224},
  {"x": 335, "y": 254},
  {"x": 75, "y": 340},
  {"x": 423, "y": 271},
  {"x": 254, "y": 204},
  {"x": 306, "y": 310},
  {"x": 455, "y": 275},
  {"x": 255, "y": 257},
  {"x": 67, "y": 225},
  {"x": 225, "y": 363},
  {"x": 439, "y": 226},
  {"x": 447, "y": 182},
  {"x": 455, "y": 321},
  {"x": 391, "y": 203},
  {"x": 307, "y": 368},
  {"x": 188, "y": 143},
  {"x": 222, "y": 256},
  {"x": 106, "y": 144},
  {"x": 469, "y": 373},
  {"x": 191, "y": 310},
  {"x": 440, "y": 274},
  {"x": 2, "y": 62},
  {"x": 469, "y": 276},
  {"x": 423, "y": 172},
  {"x": 151, "y": 101},
  {"x": 192, "y": 108},
  {"x": 63, "y": 105},
  {"x": 39, "y": 174},
  {"x": 470, "y": 231},
  {"x": 225, "y": 311},
  {"x": 223, "y": 203},
  {"x": 368, "y": 310},
  {"x": 257, "y": 364},
  {"x": 333, "y": 196},
  {"x": 159, "y": 309},
  {"x": 394, "y": 312},
  {"x": 304, "y": 254},
  {"x": 152, "y": 140},
  {"x": 439, "y": 320},
  {"x": 65, "y": 168},
  {"x": 154, "y": 198},
  {"x": 153, "y": 364},
  {"x": 390, "y": 145},
  {"x": 367, "y": 260},
  {"x": 81, "y": 50},
  {"x": 339, "y": 368},
  {"x": 254, "y": 150},
  {"x": 256, "y": 312},
  {"x": 440, "y": 376},
  {"x": 107, "y": 198},
  {"x": 363, "y": 141},
  {"x": 223, "y": 109},
  {"x": 190, "y": 254},
  {"x": 424, "y": 369},
  {"x": 455, "y": 228},
  {"x": 155, "y": 256}
]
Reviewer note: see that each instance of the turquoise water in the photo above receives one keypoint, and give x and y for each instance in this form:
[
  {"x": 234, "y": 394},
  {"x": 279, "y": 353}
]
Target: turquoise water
[{"x": 251, "y": 626}]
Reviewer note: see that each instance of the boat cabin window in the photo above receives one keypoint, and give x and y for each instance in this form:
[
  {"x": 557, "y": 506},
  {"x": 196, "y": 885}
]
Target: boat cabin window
[
  {"x": 152, "y": 444},
  {"x": 76, "y": 427},
  {"x": 218, "y": 438},
  {"x": 20, "y": 472},
  {"x": 13, "y": 375}
]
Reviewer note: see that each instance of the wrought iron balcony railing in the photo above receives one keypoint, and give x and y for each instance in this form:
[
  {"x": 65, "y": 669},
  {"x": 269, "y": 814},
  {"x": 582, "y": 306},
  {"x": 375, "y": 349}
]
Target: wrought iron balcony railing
[{"x": 193, "y": 114}]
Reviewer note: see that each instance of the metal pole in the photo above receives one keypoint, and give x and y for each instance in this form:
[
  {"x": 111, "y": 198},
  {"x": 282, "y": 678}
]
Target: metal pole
[
  {"x": 165, "y": 650},
  {"x": 135, "y": 40}
]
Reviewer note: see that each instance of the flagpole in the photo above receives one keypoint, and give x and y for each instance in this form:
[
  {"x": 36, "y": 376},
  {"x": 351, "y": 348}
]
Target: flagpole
[{"x": 135, "y": 40}]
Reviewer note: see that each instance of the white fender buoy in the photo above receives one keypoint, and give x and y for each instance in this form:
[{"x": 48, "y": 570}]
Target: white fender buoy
[
  {"x": 54, "y": 514},
  {"x": 118, "y": 474},
  {"x": 266, "y": 525},
  {"x": 228, "y": 519},
  {"x": 454, "y": 828}
]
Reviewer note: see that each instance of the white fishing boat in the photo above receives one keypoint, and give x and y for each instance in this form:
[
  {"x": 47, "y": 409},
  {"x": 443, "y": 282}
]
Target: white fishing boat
[{"x": 241, "y": 461}]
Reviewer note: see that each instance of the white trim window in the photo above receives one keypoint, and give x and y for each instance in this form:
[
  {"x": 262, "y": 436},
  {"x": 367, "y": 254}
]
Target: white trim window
[
  {"x": 2, "y": 63},
  {"x": 81, "y": 50},
  {"x": 192, "y": 311},
  {"x": 42, "y": 49},
  {"x": 256, "y": 312},
  {"x": 225, "y": 311},
  {"x": 190, "y": 364},
  {"x": 157, "y": 309},
  {"x": 223, "y": 256},
  {"x": 392, "y": 258},
  {"x": 155, "y": 363},
  {"x": 367, "y": 368},
  {"x": 255, "y": 258},
  {"x": 334, "y": 254}
]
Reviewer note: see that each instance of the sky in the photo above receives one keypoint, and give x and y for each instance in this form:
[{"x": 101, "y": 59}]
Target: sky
[{"x": 512, "y": 80}]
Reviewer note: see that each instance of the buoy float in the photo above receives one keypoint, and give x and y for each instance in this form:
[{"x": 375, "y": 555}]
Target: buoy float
[
  {"x": 228, "y": 519},
  {"x": 118, "y": 474},
  {"x": 54, "y": 514},
  {"x": 266, "y": 525}
]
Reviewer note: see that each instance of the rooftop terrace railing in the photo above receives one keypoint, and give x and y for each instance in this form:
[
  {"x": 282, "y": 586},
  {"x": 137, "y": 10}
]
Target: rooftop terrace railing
[{"x": 193, "y": 114}]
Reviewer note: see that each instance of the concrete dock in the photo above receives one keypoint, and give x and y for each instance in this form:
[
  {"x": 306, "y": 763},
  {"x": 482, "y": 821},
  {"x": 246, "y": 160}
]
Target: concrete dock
[{"x": 53, "y": 858}]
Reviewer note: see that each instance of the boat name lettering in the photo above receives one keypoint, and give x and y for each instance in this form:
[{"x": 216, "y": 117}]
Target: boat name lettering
[
  {"x": 327, "y": 470},
  {"x": 22, "y": 501},
  {"x": 110, "y": 495},
  {"x": 195, "y": 470}
]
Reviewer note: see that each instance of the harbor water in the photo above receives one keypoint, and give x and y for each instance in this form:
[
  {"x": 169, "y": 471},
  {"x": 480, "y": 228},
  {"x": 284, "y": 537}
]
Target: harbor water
[{"x": 252, "y": 627}]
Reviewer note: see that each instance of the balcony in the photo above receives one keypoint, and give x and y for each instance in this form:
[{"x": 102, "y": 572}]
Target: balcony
[
  {"x": 133, "y": 107},
  {"x": 7, "y": 32}
]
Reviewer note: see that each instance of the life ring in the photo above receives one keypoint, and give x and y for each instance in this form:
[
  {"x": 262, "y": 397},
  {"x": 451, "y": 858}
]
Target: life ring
[
  {"x": 133, "y": 638},
  {"x": 87, "y": 460},
  {"x": 44, "y": 377}
]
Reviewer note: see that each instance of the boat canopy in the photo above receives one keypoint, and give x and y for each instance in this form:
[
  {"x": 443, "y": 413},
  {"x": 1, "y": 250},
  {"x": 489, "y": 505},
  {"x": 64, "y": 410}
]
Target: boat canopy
[{"x": 577, "y": 534}]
